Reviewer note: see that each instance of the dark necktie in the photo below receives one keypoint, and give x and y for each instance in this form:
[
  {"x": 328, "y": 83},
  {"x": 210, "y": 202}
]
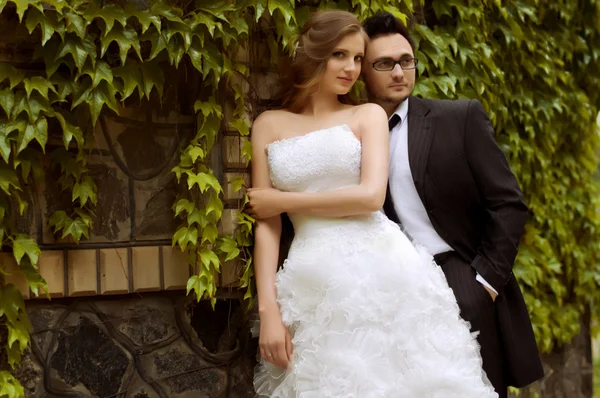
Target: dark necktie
[{"x": 393, "y": 121}]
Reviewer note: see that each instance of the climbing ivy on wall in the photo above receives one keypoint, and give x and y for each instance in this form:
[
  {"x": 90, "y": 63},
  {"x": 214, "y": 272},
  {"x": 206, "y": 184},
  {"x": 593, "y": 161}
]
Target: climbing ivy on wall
[{"x": 533, "y": 66}]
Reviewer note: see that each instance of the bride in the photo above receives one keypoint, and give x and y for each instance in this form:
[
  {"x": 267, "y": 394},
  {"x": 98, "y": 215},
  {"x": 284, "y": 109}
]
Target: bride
[{"x": 357, "y": 310}]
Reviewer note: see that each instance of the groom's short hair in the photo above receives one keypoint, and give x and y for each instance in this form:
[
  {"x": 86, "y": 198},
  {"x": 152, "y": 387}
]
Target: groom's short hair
[{"x": 384, "y": 23}]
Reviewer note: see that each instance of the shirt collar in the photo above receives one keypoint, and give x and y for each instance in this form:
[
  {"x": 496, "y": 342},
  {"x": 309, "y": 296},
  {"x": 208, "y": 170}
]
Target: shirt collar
[{"x": 402, "y": 110}]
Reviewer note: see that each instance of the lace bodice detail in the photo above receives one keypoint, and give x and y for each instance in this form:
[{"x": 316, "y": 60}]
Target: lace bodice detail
[
  {"x": 323, "y": 160},
  {"x": 318, "y": 161}
]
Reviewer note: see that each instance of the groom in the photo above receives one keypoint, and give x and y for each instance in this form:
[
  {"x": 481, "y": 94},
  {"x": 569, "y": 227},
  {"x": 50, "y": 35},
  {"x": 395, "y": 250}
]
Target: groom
[{"x": 452, "y": 190}]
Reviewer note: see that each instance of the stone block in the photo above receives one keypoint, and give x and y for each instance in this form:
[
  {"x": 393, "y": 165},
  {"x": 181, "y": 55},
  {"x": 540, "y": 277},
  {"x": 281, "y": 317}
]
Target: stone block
[
  {"x": 146, "y": 269},
  {"x": 230, "y": 274},
  {"x": 232, "y": 151},
  {"x": 114, "y": 271},
  {"x": 83, "y": 279},
  {"x": 228, "y": 221},
  {"x": 175, "y": 268},
  {"x": 52, "y": 269}
]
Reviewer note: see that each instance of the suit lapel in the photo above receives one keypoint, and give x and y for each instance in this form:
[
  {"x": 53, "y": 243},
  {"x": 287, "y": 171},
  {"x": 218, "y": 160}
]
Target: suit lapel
[{"x": 420, "y": 137}]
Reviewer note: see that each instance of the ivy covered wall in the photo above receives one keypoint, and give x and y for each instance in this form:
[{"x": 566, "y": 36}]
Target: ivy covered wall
[{"x": 534, "y": 65}]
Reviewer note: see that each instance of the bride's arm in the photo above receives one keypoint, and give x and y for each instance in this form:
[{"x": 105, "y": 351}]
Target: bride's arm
[
  {"x": 267, "y": 232},
  {"x": 275, "y": 341},
  {"x": 369, "y": 195}
]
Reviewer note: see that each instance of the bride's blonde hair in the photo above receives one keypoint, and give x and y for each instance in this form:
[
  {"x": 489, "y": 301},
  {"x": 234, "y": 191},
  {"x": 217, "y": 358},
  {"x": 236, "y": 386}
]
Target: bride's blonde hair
[{"x": 315, "y": 45}]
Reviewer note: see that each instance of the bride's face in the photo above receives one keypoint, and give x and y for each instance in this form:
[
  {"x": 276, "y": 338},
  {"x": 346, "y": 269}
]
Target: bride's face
[{"x": 343, "y": 67}]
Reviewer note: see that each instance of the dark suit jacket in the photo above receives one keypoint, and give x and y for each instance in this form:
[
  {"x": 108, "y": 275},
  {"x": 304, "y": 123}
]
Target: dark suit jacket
[{"x": 474, "y": 203}]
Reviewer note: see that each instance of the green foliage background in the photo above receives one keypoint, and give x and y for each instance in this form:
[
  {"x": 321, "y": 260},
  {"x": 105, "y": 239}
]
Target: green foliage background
[{"x": 533, "y": 64}]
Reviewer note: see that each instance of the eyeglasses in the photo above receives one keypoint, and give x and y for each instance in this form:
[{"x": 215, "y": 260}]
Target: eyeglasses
[{"x": 388, "y": 64}]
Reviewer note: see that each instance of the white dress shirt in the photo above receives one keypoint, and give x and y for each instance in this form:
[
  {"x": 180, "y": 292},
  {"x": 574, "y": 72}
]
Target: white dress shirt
[{"x": 407, "y": 203}]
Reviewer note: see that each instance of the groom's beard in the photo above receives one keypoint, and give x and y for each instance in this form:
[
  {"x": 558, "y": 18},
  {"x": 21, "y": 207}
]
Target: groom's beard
[{"x": 388, "y": 101}]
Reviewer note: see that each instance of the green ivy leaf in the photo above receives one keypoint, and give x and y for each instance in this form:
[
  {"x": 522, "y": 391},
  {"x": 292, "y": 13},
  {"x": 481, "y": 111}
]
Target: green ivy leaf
[
  {"x": 240, "y": 25},
  {"x": 96, "y": 98},
  {"x": 75, "y": 228},
  {"x": 184, "y": 236},
  {"x": 195, "y": 54},
  {"x": 13, "y": 354},
  {"x": 7, "y": 101},
  {"x": 38, "y": 84},
  {"x": 48, "y": 24},
  {"x": 207, "y": 21},
  {"x": 80, "y": 49},
  {"x": 29, "y": 160},
  {"x": 85, "y": 190},
  {"x": 144, "y": 17},
  {"x": 238, "y": 183},
  {"x": 204, "y": 181},
  {"x": 286, "y": 8},
  {"x": 22, "y": 6},
  {"x": 241, "y": 126},
  {"x": 126, "y": 39},
  {"x": 247, "y": 151},
  {"x": 208, "y": 127},
  {"x": 48, "y": 54},
  {"x": 198, "y": 285},
  {"x": 8, "y": 179},
  {"x": 37, "y": 284},
  {"x": 131, "y": 75},
  {"x": 212, "y": 61},
  {"x": 22, "y": 244},
  {"x": 75, "y": 23},
  {"x": 109, "y": 14},
  {"x": 208, "y": 258},
  {"x": 8, "y": 72},
  {"x": 209, "y": 107},
  {"x": 158, "y": 42},
  {"x": 9, "y": 386},
  {"x": 195, "y": 152},
  {"x": 183, "y": 205},
  {"x": 32, "y": 106},
  {"x": 214, "y": 205},
  {"x": 182, "y": 30},
  {"x": 18, "y": 332},
  {"x": 11, "y": 302},
  {"x": 98, "y": 72},
  {"x": 210, "y": 233},
  {"x": 37, "y": 130},
  {"x": 230, "y": 248},
  {"x": 153, "y": 78},
  {"x": 199, "y": 217},
  {"x": 58, "y": 5},
  {"x": 70, "y": 131},
  {"x": 84, "y": 216},
  {"x": 59, "y": 220},
  {"x": 166, "y": 11}
]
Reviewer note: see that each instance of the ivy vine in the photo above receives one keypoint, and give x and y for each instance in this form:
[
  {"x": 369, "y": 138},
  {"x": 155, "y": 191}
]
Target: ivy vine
[{"x": 535, "y": 67}]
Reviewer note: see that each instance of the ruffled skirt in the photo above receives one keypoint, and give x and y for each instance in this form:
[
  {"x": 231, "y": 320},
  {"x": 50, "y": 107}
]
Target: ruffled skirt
[{"x": 371, "y": 317}]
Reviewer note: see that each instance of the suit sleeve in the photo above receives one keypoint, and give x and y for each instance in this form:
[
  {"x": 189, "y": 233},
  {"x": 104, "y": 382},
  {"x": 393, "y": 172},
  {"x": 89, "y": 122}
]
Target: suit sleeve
[{"x": 503, "y": 200}]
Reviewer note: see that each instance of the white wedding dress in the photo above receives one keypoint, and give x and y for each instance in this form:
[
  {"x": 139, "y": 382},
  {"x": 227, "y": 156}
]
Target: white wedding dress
[{"x": 371, "y": 315}]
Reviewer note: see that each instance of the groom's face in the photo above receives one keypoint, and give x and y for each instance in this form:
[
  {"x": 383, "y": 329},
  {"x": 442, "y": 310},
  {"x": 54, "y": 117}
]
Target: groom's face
[{"x": 393, "y": 86}]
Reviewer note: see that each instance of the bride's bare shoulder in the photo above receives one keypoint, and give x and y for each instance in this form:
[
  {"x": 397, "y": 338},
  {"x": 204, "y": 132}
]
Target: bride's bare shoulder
[
  {"x": 370, "y": 110},
  {"x": 268, "y": 119}
]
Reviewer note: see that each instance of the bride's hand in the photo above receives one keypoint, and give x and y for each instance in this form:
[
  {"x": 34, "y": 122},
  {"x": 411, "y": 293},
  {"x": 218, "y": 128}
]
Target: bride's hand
[
  {"x": 264, "y": 203},
  {"x": 275, "y": 340}
]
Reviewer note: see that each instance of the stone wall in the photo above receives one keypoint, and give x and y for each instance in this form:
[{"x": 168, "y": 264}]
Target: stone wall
[{"x": 156, "y": 346}]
